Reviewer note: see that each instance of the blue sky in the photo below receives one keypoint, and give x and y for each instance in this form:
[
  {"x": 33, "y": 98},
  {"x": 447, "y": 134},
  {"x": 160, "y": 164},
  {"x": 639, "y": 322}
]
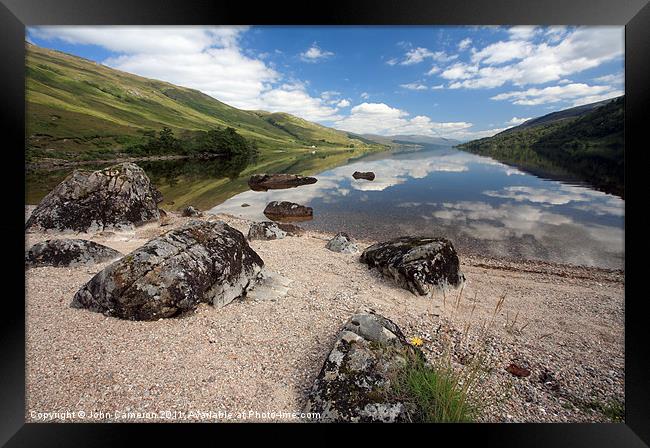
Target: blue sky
[{"x": 456, "y": 82}]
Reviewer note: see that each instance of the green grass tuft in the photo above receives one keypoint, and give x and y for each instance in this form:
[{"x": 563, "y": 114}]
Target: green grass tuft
[{"x": 438, "y": 393}]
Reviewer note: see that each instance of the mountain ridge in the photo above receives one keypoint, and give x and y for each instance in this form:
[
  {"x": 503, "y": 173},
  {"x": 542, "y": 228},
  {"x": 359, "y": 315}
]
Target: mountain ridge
[
  {"x": 586, "y": 142},
  {"x": 77, "y": 107}
]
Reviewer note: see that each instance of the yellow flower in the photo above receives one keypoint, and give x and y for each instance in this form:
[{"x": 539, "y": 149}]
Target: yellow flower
[{"x": 416, "y": 341}]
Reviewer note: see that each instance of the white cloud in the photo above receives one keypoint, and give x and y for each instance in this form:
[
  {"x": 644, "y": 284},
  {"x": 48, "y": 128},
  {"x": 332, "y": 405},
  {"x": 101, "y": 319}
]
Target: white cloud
[
  {"x": 464, "y": 44},
  {"x": 438, "y": 87},
  {"x": 515, "y": 121},
  {"x": 144, "y": 40},
  {"x": 315, "y": 54},
  {"x": 381, "y": 119},
  {"x": 617, "y": 79},
  {"x": 364, "y": 95},
  {"x": 578, "y": 93},
  {"x": 522, "y": 32},
  {"x": 343, "y": 103},
  {"x": 433, "y": 70},
  {"x": 524, "y": 59},
  {"x": 500, "y": 52},
  {"x": 414, "y": 86},
  {"x": 419, "y": 54}
]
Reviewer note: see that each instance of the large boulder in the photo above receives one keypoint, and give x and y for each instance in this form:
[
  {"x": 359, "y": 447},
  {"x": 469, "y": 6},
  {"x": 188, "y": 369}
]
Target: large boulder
[
  {"x": 355, "y": 382},
  {"x": 116, "y": 198},
  {"x": 265, "y": 230},
  {"x": 342, "y": 243},
  {"x": 69, "y": 252},
  {"x": 265, "y": 182},
  {"x": 416, "y": 263},
  {"x": 288, "y": 211},
  {"x": 207, "y": 262}
]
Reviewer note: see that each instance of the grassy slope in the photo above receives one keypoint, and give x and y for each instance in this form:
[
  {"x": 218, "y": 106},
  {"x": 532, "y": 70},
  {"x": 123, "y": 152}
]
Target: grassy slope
[
  {"x": 76, "y": 106},
  {"x": 589, "y": 146}
]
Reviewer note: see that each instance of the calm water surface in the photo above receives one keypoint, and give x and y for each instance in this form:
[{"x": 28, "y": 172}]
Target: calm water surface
[{"x": 482, "y": 205}]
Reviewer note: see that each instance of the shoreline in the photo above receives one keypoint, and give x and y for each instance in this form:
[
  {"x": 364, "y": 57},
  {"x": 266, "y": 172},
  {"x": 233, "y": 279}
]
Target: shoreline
[{"x": 564, "y": 323}]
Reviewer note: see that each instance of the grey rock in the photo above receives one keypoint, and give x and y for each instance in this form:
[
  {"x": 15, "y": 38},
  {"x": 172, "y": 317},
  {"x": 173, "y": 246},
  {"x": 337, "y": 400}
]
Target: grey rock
[
  {"x": 342, "y": 243},
  {"x": 191, "y": 212},
  {"x": 355, "y": 380},
  {"x": 288, "y": 211},
  {"x": 416, "y": 263},
  {"x": 265, "y": 182},
  {"x": 367, "y": 175},
  {"x": 265, "y": 230},
  {"x": 69, "y": 252},
  {"x": 291, "y": 229},
  {"x": 117, "y": 198},
  {"x": 200, "y": 262}
]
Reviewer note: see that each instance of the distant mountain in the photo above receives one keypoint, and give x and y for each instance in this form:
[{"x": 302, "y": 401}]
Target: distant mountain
[
  {"x": 585, "y": 142},
  {"x": 421, "y": 139},
  {"x": 79, "y": 108}
]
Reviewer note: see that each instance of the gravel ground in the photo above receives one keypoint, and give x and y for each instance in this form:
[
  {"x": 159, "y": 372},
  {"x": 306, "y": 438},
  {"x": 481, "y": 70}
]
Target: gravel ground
[{"x": 250, "y": 359}]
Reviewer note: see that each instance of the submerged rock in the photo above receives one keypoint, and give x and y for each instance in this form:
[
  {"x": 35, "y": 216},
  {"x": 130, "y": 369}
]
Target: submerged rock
[
  {"x": 69, "y": 252},
  {"x": 116, "y": 198},
  {"x": 266, "y": 230},
  {"x": 367, "y": 175},
  {"x": 207, "y": 262},
  {"x": 416, "y": 263},
  {"x": 288, "y": 211},
  {"x": 342, "y": 243},
  {"x": 265, "y": 182},
  {"x": 191, "y": 212},
  {"x": 355, "y": 381}
]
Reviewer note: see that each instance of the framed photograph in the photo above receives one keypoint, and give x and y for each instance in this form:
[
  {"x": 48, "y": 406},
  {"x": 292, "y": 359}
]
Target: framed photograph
[{"x": 373, "y": 213}]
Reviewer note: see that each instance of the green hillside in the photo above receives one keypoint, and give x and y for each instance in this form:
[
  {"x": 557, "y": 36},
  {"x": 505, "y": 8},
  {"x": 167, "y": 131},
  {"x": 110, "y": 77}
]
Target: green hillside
[
  {"x": 586, "y": 143},
  {"x": 79, "y": 109}
]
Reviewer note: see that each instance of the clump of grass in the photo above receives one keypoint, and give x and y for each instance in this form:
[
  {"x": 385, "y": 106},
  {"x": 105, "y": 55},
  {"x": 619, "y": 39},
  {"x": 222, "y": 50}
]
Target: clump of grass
[{"x": 437, "y": 393}]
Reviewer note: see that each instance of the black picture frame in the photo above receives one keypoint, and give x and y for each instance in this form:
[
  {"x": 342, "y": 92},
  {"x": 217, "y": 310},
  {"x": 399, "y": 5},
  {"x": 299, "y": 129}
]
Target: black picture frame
[{"x": 16, "y": 14}]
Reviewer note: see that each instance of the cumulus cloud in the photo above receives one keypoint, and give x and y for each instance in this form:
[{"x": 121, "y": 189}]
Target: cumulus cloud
[
  {"x": 534, "y": 55},
  {"x": 381, "y": 119},
  {"x": 315, "y": 54},
  {"x": 578, "y": 93},
  {"x": 343, "y": 103}
]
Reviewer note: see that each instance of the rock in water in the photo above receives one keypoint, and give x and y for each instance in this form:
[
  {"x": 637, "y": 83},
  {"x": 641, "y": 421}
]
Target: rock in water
[
  {"x": 266, "y": 230},
  {"x": 288, "y": 211},
  {"x": 67, "y": 252},
  {"x": 201, "y": 261},
  {"x": 265, "y": 182},
  {"x": 416, "y": 263},
  {"x": 115, "y": 198},
  {"x": 367, "y": 175},
  {"x": 355, "y": 381},
  {"x": 342, "y": 243},
  {"x": 191, "y": 212}
]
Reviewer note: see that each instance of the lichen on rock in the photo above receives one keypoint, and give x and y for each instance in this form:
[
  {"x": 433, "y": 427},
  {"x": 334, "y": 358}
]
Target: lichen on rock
[
  {"x": 354, "y": 384},
  {"x": 68, "y": 252},
  {"x": 200, "y": 262},
  {"x": 115, "y": 198},
  {"x": 416, "y": 263}
]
